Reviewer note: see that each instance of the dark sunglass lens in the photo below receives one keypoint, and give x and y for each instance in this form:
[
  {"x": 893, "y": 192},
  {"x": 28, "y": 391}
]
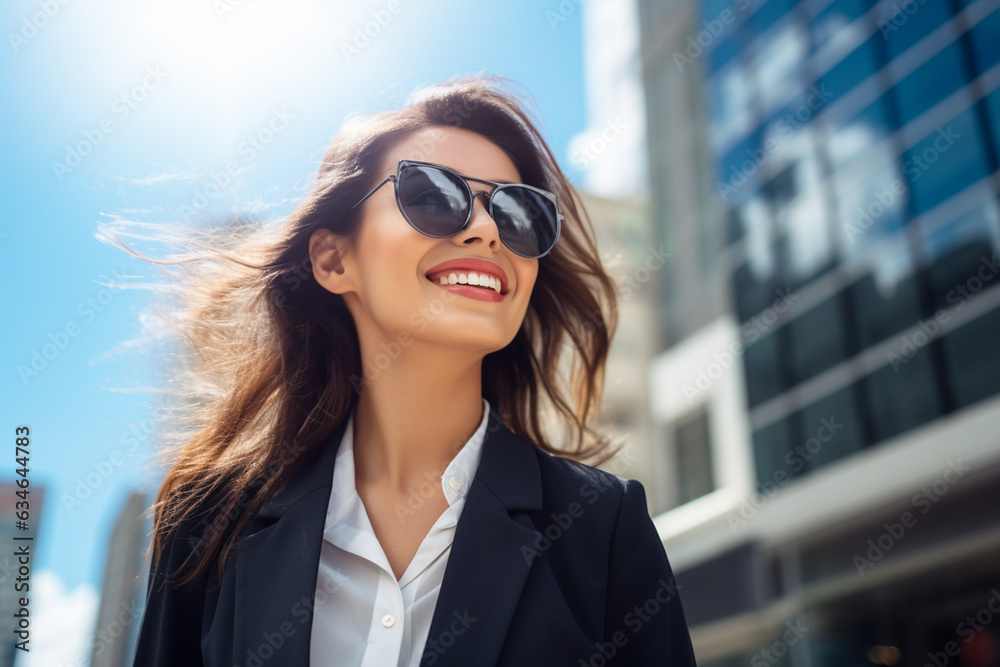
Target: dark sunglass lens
[
  {"x": 435, "y": 201},
  {"x": 527, "y": 220}
]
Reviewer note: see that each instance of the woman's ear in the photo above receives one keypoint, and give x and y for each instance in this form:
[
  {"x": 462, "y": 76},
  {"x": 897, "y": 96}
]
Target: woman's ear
[{"x": 326, "y": 255}]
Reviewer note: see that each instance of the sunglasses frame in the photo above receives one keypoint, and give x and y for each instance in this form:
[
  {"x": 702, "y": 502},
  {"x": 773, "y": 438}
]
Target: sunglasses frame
[{"x": 497, "y": 187}]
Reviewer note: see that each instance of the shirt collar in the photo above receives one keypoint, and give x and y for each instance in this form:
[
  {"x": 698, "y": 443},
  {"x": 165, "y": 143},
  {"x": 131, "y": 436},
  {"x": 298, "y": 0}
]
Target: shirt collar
[{"x": 458, "y": 475}]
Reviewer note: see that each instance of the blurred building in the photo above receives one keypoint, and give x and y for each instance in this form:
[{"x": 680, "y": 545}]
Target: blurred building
[
  {"x": 123, "y": 589},
  {"x": 13, "y": 536},
  {"x": 827, "y": 394},
  {"x": 623, "y": 237},
  {"x": 610, "y": 153}
]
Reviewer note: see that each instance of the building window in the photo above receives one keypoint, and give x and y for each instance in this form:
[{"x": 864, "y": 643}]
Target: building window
[
  {"x": 834, "y": 18},
  {"x": 930, "y": 83},
  {"x": 830, "y": 429},
  {"x": 959, "y": 252},
  {"x": 886, "y": 300},
  {"x": 853, "y": 69},
  {"x": 901, "y": 33},
  {"x": 762, "y": 364},
  {"x": 984, "y": 44},
  {"x": 946, "y": 162},
  {"x": 972, "y": 359},
  {"x": 818, "y": 340},
  {"x": 692, "y": 446},
  {"x": 903, "y": 395},
  {"x": 774, "y": 459},
  {"x": 862, "y": 135}
]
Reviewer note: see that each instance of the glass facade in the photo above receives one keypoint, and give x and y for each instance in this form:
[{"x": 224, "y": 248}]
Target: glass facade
[{"x": 856, "y": 148}]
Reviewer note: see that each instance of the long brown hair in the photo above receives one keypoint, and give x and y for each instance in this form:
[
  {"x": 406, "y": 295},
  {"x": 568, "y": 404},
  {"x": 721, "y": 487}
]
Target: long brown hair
[{"x": 269, "y": 360}]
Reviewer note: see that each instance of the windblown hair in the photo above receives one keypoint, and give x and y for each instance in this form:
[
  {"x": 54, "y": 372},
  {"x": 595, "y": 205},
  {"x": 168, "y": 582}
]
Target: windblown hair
[{"x": 269, "y": 359}]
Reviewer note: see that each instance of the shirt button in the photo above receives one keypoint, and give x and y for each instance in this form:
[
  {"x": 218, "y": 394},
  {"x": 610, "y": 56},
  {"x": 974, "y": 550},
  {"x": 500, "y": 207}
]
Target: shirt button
[
  {"x": 454, "y": 483},
  {"x": 388, "y": 620}
]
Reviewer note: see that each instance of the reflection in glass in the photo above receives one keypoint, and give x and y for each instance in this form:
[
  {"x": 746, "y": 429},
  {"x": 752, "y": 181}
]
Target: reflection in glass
[
  {"x": 769, "y": 13},
  {"x": 728, "y": 98},
  {"x": 729, "y": 86},
  {"x": 887, "y": 299},
  {"x": 902, "y": 29},
  {"x": 985, "y": 45},
  {"x": 724, "y": 52},
  {"x": 753, "y": 282},
  {"x": 778, "y": 58},
  {"x": 857, "y": 66},
  {"x": 833, "y": 20},
  {"x": 946, "y": 161},
  {"x": 871, "y": 210},
  {"x": 805, "y": 249},
  {"x": 859, "y": 134},
  {"x": 930, "y": 83},
  {"x": 786, "y": 133},
  {"x": 960, "y": 253}
]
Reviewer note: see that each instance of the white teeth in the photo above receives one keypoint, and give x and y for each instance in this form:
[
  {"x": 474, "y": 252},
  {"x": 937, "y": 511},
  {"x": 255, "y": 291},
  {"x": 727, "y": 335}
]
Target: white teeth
[{"x": 480, "y": 279}]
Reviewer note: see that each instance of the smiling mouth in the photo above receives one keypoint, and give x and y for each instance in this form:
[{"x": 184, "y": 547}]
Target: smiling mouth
[
  {"x": 477, "y": 292},
  {"x": 446, "y": 283},
  {"x": 481, "y": 281}
]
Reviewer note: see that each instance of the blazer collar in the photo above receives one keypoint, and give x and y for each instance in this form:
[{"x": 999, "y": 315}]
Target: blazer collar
[{"x": 486, "y": 570}]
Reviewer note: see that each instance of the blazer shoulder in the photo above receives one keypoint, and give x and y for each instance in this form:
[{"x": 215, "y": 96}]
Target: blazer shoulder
[
  {"x": 565, "y": 481},
  {"x": 627, "y": 569}
]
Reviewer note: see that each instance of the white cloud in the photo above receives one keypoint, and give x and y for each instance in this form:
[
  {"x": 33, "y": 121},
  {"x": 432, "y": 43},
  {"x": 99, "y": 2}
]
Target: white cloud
[{"x": 62, "y": 624}]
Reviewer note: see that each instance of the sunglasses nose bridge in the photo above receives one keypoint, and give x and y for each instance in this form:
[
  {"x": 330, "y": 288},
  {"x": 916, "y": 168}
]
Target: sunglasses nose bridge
[
  {"x": 486, "y": 210},
  {"x": 486, "y": 202}
]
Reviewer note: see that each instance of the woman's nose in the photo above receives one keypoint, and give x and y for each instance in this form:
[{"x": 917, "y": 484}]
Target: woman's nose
[
  {"x": 492, "y": 231},
  {"x": 485, "y": 201}
]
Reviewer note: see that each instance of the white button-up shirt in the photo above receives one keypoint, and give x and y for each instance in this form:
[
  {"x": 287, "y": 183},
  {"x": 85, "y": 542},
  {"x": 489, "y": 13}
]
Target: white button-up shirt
[{"x": 363, "y": 616}]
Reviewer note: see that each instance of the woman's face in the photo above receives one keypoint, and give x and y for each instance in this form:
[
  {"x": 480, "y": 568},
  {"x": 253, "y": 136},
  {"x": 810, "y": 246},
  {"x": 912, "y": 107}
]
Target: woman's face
[{"x": 386, "y": 279}]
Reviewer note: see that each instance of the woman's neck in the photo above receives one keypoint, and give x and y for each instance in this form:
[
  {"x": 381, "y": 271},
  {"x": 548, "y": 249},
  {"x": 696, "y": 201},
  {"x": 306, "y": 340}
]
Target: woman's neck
[{"x": 412, "y": 417}]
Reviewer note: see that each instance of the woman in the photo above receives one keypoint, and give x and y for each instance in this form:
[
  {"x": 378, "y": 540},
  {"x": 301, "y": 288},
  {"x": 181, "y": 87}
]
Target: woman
[{"x": 366, "y": 479}]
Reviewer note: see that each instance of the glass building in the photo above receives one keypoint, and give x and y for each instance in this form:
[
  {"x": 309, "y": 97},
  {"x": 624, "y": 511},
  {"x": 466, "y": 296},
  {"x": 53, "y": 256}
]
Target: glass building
[
  {"x": 856, "y": 147},
  {"x": 827, "y": 173}
]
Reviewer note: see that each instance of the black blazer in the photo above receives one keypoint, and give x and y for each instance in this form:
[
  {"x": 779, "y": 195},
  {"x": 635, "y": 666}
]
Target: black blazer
[{"x": 553, "y": 563}]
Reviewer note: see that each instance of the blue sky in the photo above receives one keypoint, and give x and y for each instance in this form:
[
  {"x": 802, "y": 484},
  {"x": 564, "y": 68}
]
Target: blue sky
[{"x": 127, "y": 109}]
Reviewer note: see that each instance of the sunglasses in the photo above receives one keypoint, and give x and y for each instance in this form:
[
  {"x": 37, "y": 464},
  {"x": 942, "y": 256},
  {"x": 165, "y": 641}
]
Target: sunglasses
[{"x": 437, "y": 202}]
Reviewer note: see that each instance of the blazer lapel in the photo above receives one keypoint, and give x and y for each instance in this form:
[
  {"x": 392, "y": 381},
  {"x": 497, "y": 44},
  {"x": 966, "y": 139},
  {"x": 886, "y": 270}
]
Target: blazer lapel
[{"x": 488, "y": 565}]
